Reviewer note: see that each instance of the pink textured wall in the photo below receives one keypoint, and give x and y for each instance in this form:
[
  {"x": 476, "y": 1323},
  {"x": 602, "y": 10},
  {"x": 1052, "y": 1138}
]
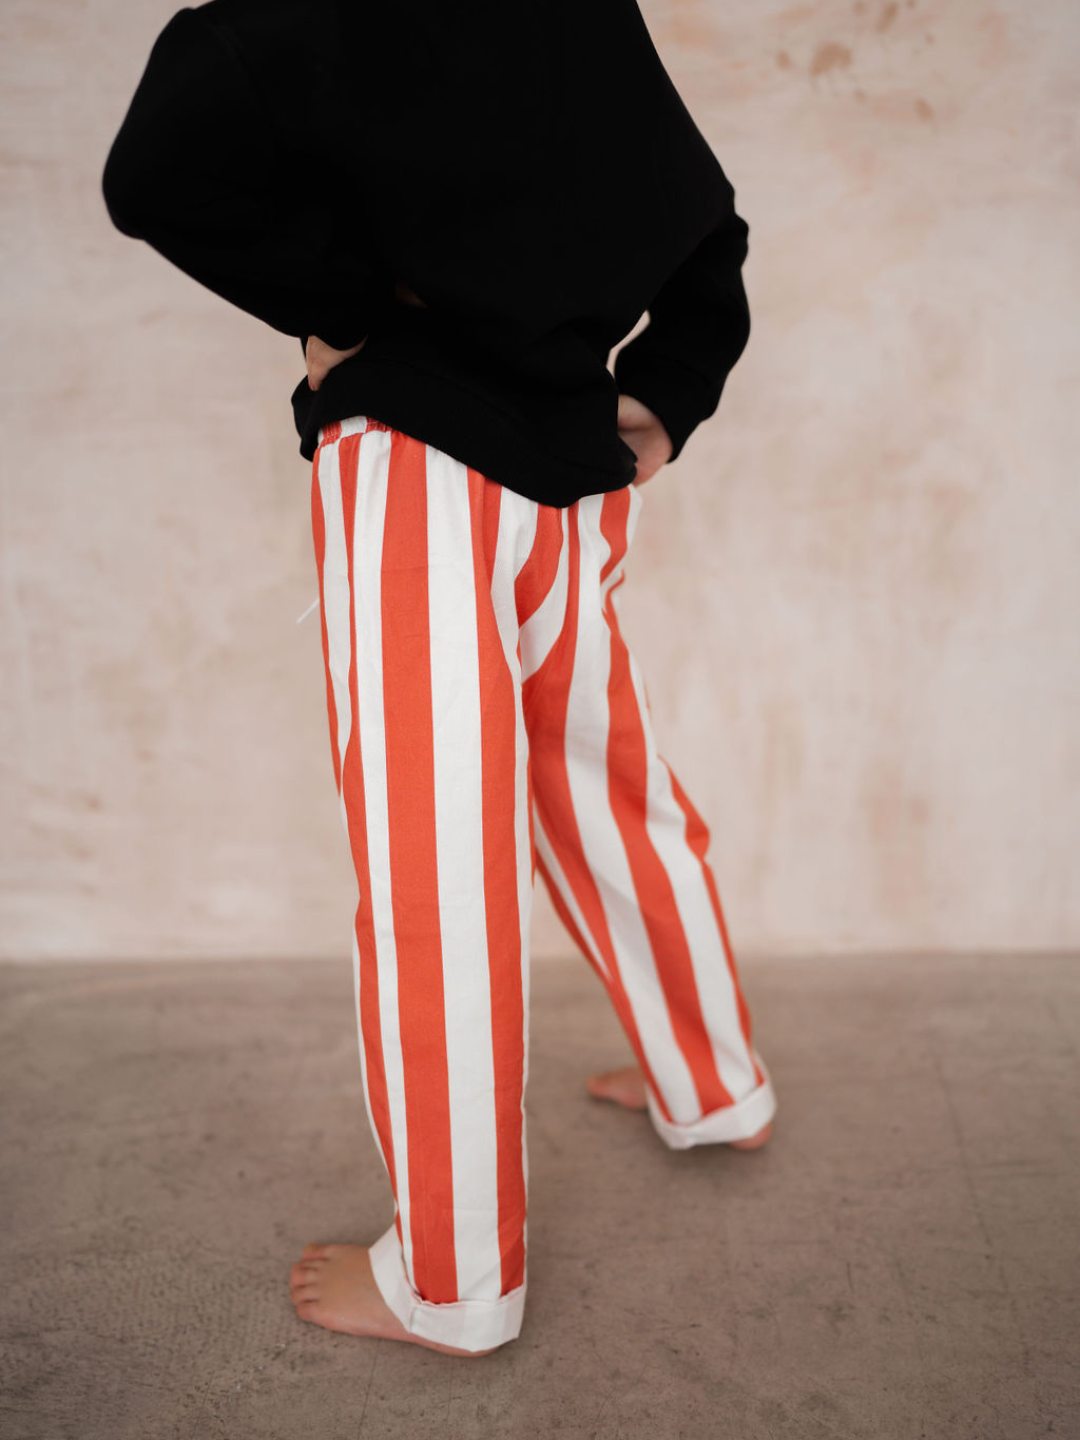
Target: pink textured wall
[{"x": 854, "y": 599}]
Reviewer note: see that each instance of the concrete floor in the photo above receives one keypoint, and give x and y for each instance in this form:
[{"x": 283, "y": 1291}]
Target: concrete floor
[{"x": 900, "y": 1261}]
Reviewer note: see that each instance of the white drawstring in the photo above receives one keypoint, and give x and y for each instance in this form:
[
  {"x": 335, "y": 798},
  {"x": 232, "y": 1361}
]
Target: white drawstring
[{"x": 313, "y": 606}]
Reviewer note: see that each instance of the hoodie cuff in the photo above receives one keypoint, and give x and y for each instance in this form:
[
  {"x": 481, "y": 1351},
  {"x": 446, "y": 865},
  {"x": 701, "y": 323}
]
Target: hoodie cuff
[{"x": 679, "y": 397}]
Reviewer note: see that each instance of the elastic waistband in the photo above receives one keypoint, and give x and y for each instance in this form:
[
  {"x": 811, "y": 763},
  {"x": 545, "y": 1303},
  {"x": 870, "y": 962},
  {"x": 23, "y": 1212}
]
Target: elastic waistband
[{"x": 352, "y": 425}]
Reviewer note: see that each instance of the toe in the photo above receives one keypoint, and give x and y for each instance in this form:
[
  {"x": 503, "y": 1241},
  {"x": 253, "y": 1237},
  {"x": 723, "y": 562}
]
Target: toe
[
  {"x": 315, "y": 1252},
  {"x": 625, "y": 1087},
  {"x": 753, "y": 1142}
]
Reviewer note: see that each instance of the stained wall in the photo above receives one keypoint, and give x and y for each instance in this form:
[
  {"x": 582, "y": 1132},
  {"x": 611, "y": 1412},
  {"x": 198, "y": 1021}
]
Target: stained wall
[{"x": 854, "y": 598}]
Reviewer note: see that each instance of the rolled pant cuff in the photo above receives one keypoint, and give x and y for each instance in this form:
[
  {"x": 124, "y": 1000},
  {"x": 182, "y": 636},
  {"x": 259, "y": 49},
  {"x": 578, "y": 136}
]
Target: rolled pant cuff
[
  {"x": 733, "y": 1122},
  {"x": 464, "y": 1324}
]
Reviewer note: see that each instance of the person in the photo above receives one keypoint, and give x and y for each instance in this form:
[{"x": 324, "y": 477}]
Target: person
[{"x": 460, "y": 212}]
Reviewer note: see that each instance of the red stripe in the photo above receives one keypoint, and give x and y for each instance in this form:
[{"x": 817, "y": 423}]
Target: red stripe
[
  {"x": 697, "y": 837},
  {"x": 356, "y": 812},
  {"x": 318, "y": 530},
  {"x": 530, "y": 800},
  {"x": 410, "y": 798},
  {"x": 614, "y": 512},
  {"x": 536, "y": 577},
  {"x": 628, "y": 790},
  {"x": 547, "y": 737},
  {"x": 532, "y": 585},
  {"x": 498, "y": 751}
]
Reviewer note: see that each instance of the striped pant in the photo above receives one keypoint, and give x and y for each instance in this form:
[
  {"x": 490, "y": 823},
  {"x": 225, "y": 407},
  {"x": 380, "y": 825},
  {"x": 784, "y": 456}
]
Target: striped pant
[{"x": 487, "y": 720}]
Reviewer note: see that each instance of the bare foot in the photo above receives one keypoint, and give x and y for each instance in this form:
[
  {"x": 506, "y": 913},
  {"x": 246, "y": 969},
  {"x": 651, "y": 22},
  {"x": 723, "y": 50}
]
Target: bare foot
[
  {"x": 627, "y": 1087},
  {"x": 332, "y": 1285}
]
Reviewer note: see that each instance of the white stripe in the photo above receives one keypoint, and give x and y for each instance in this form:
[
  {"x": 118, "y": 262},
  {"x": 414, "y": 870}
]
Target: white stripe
[
  {"x": 546, "y": 851},
  {"x": 665, "y": 823},
  {"x": 339, "y": 637},
  {"x": 588, "y": 718},
  {"x": 335, "y": 580},
  {"x": 459, "y": 800},
  {"x": 543, "y": 627},
  {"x": 371, "y": 489},
  {"x": 360, "y": 1047},
  {"x": 518, "y": 517}
]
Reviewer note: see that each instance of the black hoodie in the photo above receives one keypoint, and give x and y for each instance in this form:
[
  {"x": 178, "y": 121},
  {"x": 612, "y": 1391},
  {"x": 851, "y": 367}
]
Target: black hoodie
[{"x": 526, "y": 167}]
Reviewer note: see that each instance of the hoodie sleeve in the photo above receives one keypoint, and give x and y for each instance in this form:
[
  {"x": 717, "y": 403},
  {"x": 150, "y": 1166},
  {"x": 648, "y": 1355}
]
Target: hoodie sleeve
[
  {"x": 699, "y": 324},
  {"x": 205, "y": 173}
]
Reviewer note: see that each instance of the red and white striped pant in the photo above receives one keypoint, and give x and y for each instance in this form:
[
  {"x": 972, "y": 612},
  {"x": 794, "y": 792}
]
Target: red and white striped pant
[{"x": 487, "y": 720}]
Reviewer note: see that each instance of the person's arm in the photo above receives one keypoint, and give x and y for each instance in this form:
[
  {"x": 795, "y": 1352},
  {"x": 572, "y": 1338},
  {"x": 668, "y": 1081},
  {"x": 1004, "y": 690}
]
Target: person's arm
[
  {"x": 699, "y": 323},
  {"x": 204, "y": 171}
]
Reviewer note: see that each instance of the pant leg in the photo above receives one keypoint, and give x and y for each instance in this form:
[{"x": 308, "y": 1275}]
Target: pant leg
[
  {"x": 416, "y": 557},
  {"x": 622, "y": 852}
]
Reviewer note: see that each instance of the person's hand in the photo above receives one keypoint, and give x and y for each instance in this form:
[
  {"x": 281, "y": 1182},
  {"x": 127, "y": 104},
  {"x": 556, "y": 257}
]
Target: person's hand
[
  {"x": 645, "y": 435},
  {"x": 321, "y": 359}
]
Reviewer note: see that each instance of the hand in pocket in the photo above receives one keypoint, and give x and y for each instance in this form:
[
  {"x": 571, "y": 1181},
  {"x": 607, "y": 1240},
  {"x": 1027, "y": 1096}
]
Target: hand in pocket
[
  {"x": 645, "y": 435},
  {"x": 321, "y": 359}
]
